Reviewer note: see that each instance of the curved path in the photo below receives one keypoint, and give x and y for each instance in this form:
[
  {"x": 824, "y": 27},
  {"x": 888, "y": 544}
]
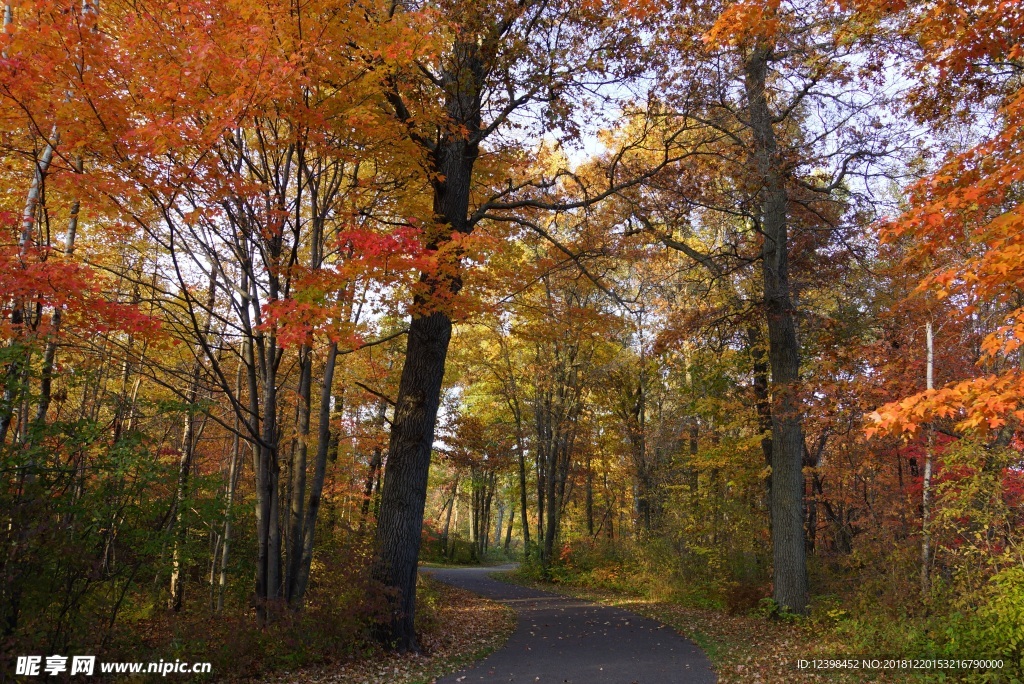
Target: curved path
[{"x": 562, "y": 640}]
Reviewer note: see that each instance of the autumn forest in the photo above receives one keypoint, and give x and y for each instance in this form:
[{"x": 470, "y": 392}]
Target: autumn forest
[{"x": 718, "y": 304}]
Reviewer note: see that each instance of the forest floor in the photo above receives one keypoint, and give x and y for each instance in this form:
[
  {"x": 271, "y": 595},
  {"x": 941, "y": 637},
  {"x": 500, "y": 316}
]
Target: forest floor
[
  {"x": 743, "y": 649},
  {"x": 457, "y": 627}
]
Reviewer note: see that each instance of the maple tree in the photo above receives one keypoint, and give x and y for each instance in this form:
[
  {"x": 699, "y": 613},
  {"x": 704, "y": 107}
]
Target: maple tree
[{"x": 971, "y": 198}]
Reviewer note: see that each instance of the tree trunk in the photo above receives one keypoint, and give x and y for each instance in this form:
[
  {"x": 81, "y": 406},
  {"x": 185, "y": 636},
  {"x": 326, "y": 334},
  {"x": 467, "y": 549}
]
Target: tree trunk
[
  {"x": 450, "y": 550},
  {"x": 404, "y": 492},
  {"x": 499, "y": 524},
  {"x": 490, "y": 483},
  {"x": 551, "y": 522},
  {"x": 474, "y": 506},
  {"x": 516, "y": 409},
  {"x": 236, "y": 448},
  {"x": 364, "y": 507},
  {"x": 12, "y": 386},
  {"x": 188, "y": 445},
  {"x": 319, "y": 474},
  {"x": 787, "y": 503},
  {"x": 376, "y": 462},
  {"x": 177, "y": 523},
  {"x": 508, "y": 534},
  {"x": 450, "y": 506},
  {"x": 762, "y": 403},
  {"x": 298, "y": 479},
  {"x": 926, "y": 483},
  {"x": 49, "y": 355},
  {"x": 405, "y": 480}
]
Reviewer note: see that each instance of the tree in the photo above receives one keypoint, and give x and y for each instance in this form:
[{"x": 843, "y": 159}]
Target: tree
[
  {"x": 756, "y": 172},
  {"x": 498, "y": 63},
  {"x": 964, "y": 220}
]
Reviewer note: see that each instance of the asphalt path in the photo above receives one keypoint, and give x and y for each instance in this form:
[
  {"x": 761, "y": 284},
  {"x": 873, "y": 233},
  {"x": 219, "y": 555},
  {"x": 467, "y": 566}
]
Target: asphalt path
[{"x": 562, "y": 640}]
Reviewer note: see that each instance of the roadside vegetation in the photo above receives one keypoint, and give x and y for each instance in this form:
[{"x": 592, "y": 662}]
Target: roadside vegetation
[{"x": 749, "y": 640}]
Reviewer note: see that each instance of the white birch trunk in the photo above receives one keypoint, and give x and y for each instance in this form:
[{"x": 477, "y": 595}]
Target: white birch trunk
[{"x": 926, "y": 485}]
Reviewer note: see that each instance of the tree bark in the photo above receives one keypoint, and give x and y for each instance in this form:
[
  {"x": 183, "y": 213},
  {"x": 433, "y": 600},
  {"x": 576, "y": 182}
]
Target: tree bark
[
  {"x": 405, "y": 481},
  {"x": 926, "y": 482},
  {"x": 12, "y": 385},
  {"x": 762, "y": 404},
  {"x": 298, "y": 479},
  {"x": 508, "y": 534},
  {"x": 49, "y": 354},
  {"x": 236, "y": 451},
  {"x": 450, "y": 506},
  {"x": 589, "y": 499},
  {"x": 404, "y": 491},
  {"x": 787, "y": 503},
  {"x": 188, "y": 445},
  {"x": 319, "y": 474},
  {"x": 512, "y": 399}
]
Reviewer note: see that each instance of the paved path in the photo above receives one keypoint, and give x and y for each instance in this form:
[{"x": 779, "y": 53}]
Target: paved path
[{"x": 561, "y": 640}]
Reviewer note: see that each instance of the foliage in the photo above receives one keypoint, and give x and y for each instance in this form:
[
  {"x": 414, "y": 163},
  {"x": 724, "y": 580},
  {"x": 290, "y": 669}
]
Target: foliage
[{"x": 225, "y": 224}]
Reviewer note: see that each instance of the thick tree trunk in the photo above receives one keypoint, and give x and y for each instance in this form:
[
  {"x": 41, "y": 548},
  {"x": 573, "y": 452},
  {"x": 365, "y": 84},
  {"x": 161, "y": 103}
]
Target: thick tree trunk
[
  {"x": 762, "y": 398},
  {"x": 264, "y": 467},
  {"x": 643, "y": 504},
  {"x": 762, "y": 403},
  {"x": 787, "y": 502},
  {"x": 405, "y": 480},
  {"x": 403, "y": 497},
  {"x": 636, "y": 429}
]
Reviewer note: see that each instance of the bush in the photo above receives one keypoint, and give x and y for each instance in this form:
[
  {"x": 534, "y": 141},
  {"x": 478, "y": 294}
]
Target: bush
[
  {"x": 462, "y": 552},
  {"x": 656, "y": 569},
  {"x": 996, "y": 629},
  {"x": 343, "y": 604},
  {"x": 434, "y": 548},
  {"x": 982, "y": 625}
]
